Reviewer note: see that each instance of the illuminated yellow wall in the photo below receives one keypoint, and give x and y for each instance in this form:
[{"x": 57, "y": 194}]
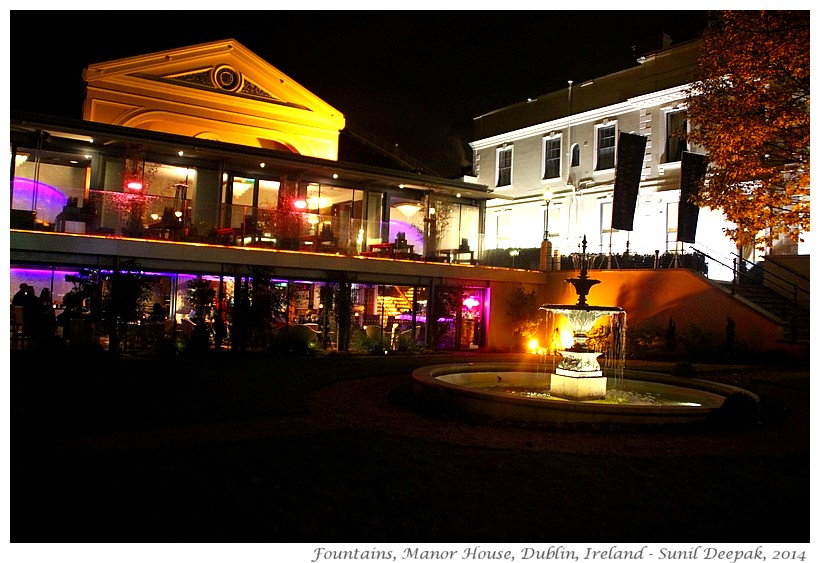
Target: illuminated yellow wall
[{"x": 219, "y": 91}]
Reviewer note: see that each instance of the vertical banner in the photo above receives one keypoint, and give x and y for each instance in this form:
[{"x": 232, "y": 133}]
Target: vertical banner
[
  {"x": 692, "y": 171},
  {"x": 631, "y": 151}
]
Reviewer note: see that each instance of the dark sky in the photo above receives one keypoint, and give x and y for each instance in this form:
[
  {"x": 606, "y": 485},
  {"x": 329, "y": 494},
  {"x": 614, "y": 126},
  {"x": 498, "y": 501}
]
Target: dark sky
[{"x": 416, "y": 78}]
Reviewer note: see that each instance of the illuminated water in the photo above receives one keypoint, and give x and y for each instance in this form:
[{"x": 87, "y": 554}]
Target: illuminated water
[{"x": 620, "y": 391}]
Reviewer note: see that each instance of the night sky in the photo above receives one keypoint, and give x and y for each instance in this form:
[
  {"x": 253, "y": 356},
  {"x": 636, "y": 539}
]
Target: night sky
[{"x": 416, "y": 78}]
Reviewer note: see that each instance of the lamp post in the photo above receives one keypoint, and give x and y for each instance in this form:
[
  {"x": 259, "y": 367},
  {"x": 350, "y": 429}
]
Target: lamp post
[
  {"x": 547, "y": 200},
  {"x": 513, "y": 253},
  {"x": 546, "y": 246}
]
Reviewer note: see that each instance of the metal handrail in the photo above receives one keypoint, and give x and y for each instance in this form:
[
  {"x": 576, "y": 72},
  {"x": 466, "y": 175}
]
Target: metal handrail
[{"x": 786, "y": 286}]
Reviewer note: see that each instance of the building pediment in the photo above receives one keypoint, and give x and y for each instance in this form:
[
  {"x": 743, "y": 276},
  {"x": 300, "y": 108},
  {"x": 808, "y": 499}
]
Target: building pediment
[
  {"x": 223, "y": 79},
  {"x": 217, "y": 90}
]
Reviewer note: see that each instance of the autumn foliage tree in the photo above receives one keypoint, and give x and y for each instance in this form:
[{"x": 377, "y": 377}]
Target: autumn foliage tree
[{"x": 749, "y": 109}]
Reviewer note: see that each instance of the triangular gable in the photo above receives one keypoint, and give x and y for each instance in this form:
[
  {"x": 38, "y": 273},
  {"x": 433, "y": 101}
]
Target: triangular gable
[{"x": 219, "y": 89}]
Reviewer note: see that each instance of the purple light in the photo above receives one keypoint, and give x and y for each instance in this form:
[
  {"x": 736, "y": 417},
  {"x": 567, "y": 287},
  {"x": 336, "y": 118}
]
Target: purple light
[{"x": 49, "y": 200}]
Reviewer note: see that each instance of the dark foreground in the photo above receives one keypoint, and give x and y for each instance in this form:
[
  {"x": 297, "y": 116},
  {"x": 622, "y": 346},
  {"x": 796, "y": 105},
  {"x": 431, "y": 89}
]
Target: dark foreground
[{"x": 331, "y": 449}]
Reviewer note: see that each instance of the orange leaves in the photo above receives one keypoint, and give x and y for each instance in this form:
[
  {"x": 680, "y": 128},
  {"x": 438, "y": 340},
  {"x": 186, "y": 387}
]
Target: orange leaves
[{"x": 749, "y": 110}]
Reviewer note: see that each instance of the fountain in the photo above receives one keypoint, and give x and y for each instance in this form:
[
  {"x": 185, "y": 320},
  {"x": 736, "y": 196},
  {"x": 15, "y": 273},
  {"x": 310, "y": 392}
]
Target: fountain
[
  {"x": 579, "y": 375},
  {"x": 578, "y": 390}
]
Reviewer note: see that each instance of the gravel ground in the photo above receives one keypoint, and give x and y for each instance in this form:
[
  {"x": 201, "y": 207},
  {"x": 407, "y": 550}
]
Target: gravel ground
[{"x": 264, "y": 450}]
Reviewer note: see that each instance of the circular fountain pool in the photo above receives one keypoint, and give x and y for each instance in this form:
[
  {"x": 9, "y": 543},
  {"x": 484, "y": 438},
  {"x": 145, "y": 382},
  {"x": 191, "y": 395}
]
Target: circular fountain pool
[{"x": 520, "y": 394}]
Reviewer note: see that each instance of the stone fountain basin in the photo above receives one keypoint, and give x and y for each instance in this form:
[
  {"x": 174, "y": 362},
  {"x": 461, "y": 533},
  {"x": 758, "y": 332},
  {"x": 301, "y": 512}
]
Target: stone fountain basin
[{"x": 468, "y": 389}]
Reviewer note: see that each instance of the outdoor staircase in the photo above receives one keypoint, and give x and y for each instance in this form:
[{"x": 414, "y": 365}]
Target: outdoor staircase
[{"x": 795, "y": 318}]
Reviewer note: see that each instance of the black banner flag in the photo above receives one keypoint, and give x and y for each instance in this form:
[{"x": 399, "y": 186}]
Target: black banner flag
[
  {"x": 631, "y": 151},
  {"x": 692, "y": 170}
]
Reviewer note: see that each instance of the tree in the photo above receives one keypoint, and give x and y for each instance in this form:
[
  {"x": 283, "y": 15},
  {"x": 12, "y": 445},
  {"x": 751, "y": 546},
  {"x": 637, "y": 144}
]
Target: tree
[{"x": 749, "y": 109}]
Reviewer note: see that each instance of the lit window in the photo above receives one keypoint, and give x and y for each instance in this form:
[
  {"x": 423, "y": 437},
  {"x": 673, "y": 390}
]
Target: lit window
[
  {"x": 552, "y": 158},
  {"x": 605, "y": 147},
  {"x": 675, "y": 135},
  {"x": 504, "y": 177}
]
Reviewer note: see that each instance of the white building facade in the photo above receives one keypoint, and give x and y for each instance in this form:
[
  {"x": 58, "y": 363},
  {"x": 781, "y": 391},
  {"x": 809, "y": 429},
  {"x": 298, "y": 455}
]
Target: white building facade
[{"x": 552, "y": 163}]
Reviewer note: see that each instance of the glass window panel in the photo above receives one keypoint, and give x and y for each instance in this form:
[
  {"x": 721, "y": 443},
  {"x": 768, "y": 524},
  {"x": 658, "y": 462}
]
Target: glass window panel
[
  {"x": 504, "y": 167},
  {"x": 606, "y": 147},
  {"x": 552, "y": 158}
]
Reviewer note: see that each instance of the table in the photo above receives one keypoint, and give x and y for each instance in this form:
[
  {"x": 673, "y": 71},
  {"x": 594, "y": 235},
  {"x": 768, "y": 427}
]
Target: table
[
  {"x": 380, "y": 250},
  {"x": 453, "y": 255},
  {"x": 318, "y": 243}
]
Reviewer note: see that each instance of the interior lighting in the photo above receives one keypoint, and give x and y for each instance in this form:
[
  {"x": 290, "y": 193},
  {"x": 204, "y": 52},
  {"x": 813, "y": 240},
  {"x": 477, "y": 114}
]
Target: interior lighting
[
  {"x": 533, "y": 346},
  {"x": 154, "y": 216},
  {"x": 180, "y": 153},
  {"x": 178, "y": 214},
  {"x": 261, "y": 165},
  {"x": 408, "y": 209},
  {"x": 135, "y": 186},
  {"x": 300, "y": 204},
  {"x": 335, "y": 176},
  {"x": 317, "y": 202}
]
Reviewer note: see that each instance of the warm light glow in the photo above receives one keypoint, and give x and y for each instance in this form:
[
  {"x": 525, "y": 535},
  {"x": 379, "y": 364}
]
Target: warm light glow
[
  {"x": 300, "y": 204},
  {"x": 20, "y": 159},
  {"x": 240, "y": 187},
  {"x": 313, "y": 219},
  {"x": 136, "y": 186},
  {"x": 547, "y": 195},
  {"x": 408, "y": 209},
  {"x": 178, "y": 213},
  {"x": 470, "y": 302},
  {"x": 514, "y": 252},
  {"x": 154, "y": 216},
  {"x": 566, "y": 338},
  {"x": 317, "y": 202},
  {"x": 533, "y": 346},
  {"x": 261, "y": 165},
  {"x": 180, "y": 153}
]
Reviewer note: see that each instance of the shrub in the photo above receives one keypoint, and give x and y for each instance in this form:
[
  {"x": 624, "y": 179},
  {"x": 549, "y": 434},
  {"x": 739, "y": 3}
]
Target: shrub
[{"x": 295, "y": 340}]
